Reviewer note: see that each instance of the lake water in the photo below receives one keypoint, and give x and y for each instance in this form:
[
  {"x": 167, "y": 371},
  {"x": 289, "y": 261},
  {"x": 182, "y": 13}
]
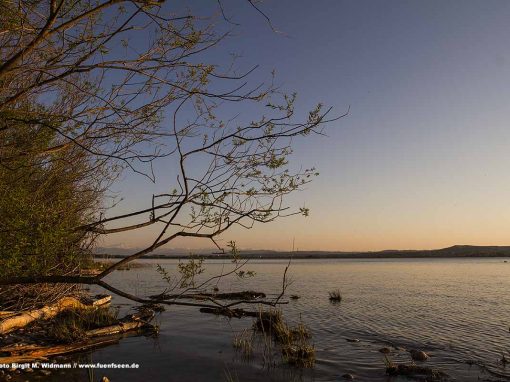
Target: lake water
[{"x": 456, "y": 310}]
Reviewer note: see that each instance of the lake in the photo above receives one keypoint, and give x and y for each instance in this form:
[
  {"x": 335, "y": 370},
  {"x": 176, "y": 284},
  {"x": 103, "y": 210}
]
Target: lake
[{"x": 456, "y": 310}]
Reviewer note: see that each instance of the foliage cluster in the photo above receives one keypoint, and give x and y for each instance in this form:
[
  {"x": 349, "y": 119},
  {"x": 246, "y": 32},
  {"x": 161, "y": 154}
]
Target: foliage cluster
[
  {"x": 91, "y": 88},
  {"x": 44, "y": 196}
]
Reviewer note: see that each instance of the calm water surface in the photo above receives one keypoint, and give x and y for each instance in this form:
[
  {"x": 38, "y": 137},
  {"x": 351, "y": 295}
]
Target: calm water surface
[{"x": 455, "y": 310}]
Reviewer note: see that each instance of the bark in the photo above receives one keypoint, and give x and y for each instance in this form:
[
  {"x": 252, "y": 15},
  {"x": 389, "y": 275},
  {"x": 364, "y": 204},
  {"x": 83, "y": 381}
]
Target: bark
[
  {"x": 237, "y": 313},
  {"x": 24, "y": 318},
  {"x": 122, "y": 327},
  {"x": 30, "y": 353},
  {"x": 244, "y": 295},
  {"x": 33, "y": 352},
  {"x": 102, "y": 300}
]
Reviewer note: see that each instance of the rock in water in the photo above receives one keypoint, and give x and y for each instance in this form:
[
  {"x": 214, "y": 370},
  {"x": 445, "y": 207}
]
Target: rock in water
[
  {"x": 385, "y": 350},
  {"x": 348, "y": 377},
  {"x": 418, "y": 355}
]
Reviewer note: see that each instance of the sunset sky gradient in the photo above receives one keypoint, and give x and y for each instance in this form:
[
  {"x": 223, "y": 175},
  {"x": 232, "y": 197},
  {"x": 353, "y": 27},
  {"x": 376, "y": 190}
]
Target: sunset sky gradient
[{"x": 422, "y": 159}]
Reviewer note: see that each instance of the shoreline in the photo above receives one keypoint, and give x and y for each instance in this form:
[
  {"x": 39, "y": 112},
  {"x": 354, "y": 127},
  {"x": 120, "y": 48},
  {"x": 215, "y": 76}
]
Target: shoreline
[{"x": 444, "y": 253}]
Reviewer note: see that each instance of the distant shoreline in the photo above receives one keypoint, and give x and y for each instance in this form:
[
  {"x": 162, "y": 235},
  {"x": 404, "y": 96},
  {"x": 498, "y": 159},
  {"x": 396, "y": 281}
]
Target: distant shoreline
[{"x": 457, "y": 251}]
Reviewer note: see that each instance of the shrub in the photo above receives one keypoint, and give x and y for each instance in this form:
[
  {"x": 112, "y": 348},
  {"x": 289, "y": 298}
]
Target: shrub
[{"x": 45, "y": 194}]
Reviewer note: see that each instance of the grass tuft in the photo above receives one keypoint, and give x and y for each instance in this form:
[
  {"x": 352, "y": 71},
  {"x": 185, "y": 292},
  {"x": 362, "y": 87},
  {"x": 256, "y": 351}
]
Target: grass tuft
[
  {"x": 72, "y": 325},
  {"x": 414, "y": 371},
  {"x": 335, "y": 295},
  {"x": 243, "y": 342},
  {"x": 293, "y": 341}
]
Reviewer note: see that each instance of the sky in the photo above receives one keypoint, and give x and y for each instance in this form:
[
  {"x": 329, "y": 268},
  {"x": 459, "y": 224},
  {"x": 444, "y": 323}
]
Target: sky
[{"x": 422, "y": 159}]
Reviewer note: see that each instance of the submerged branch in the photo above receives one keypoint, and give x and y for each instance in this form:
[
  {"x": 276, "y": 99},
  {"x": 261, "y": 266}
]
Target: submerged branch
[{"x": 244, "y": 295}]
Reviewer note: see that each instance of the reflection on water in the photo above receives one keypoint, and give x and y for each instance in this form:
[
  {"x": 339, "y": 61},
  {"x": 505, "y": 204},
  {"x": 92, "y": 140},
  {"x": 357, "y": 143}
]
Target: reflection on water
[{"x": 455, "y": 310}]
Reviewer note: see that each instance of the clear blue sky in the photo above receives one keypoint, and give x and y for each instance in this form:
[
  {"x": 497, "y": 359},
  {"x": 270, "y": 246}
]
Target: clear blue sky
[{"x": 422, "y": 160}]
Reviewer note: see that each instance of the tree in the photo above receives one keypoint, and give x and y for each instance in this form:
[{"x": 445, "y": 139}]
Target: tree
[
  {"x": 123, "y": 108},
  {"x": 42, "y": 199}
]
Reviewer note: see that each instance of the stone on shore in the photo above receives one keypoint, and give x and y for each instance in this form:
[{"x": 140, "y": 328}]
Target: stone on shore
[{"x": 418, "y": 355}]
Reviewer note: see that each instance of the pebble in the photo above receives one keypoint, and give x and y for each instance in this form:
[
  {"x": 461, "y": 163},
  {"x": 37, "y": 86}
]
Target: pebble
[
  {"x": 29, "y": 370},
  {"x": 348, "y": 377}
]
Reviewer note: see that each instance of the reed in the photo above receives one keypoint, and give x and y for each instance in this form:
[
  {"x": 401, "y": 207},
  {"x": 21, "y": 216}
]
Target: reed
[
  {"x": 293, "y": 341},
  {"x": 71, "y": 325},
  {"x": 335, "y": 295}
]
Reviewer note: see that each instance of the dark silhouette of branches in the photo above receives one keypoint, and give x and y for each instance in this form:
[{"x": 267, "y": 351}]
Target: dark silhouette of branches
[{"x": 125, "y": 103}]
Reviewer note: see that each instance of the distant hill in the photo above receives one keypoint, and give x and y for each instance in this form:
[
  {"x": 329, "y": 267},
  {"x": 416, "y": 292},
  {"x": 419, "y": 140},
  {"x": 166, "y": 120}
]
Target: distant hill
[{"x": 450, "y": 252}]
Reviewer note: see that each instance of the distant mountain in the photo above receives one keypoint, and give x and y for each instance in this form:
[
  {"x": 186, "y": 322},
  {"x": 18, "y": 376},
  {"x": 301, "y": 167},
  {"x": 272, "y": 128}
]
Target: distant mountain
[
  {"x": 450, "y": 252},
  {"x": 122, "y": 252}
]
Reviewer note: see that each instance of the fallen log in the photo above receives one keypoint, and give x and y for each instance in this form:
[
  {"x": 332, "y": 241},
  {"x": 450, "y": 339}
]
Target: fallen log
[
  {"x": 244, "y": 295},
  {"x": 34, "y": 353},
  {"x": 237, "y": 313},
  {"x": 102, "y": 300},
  {"x": 129, "y": 323},
  {"x": 116, "y": 329},
  {"x": 17, "y": 349},
  {"x": 22, "y": 319}
]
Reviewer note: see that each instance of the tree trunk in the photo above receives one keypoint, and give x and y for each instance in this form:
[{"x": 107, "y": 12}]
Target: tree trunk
[{"x": 24, "y": 318}]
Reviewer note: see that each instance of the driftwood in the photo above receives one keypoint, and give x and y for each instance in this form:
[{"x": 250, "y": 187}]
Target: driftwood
[
  {"x": 244, "y": 295},
  {"x": 34, "y": 352},
  {"x": 101, "y": 300},
  {"x": 17, "y": 349},
  {"x": 237, "y": 313},
  {"x": 24, "y": 318},
  {"x": 116, "y": 329},
  {"x": 27, "y": 353},
  {"x": 128, "y": 323}
]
